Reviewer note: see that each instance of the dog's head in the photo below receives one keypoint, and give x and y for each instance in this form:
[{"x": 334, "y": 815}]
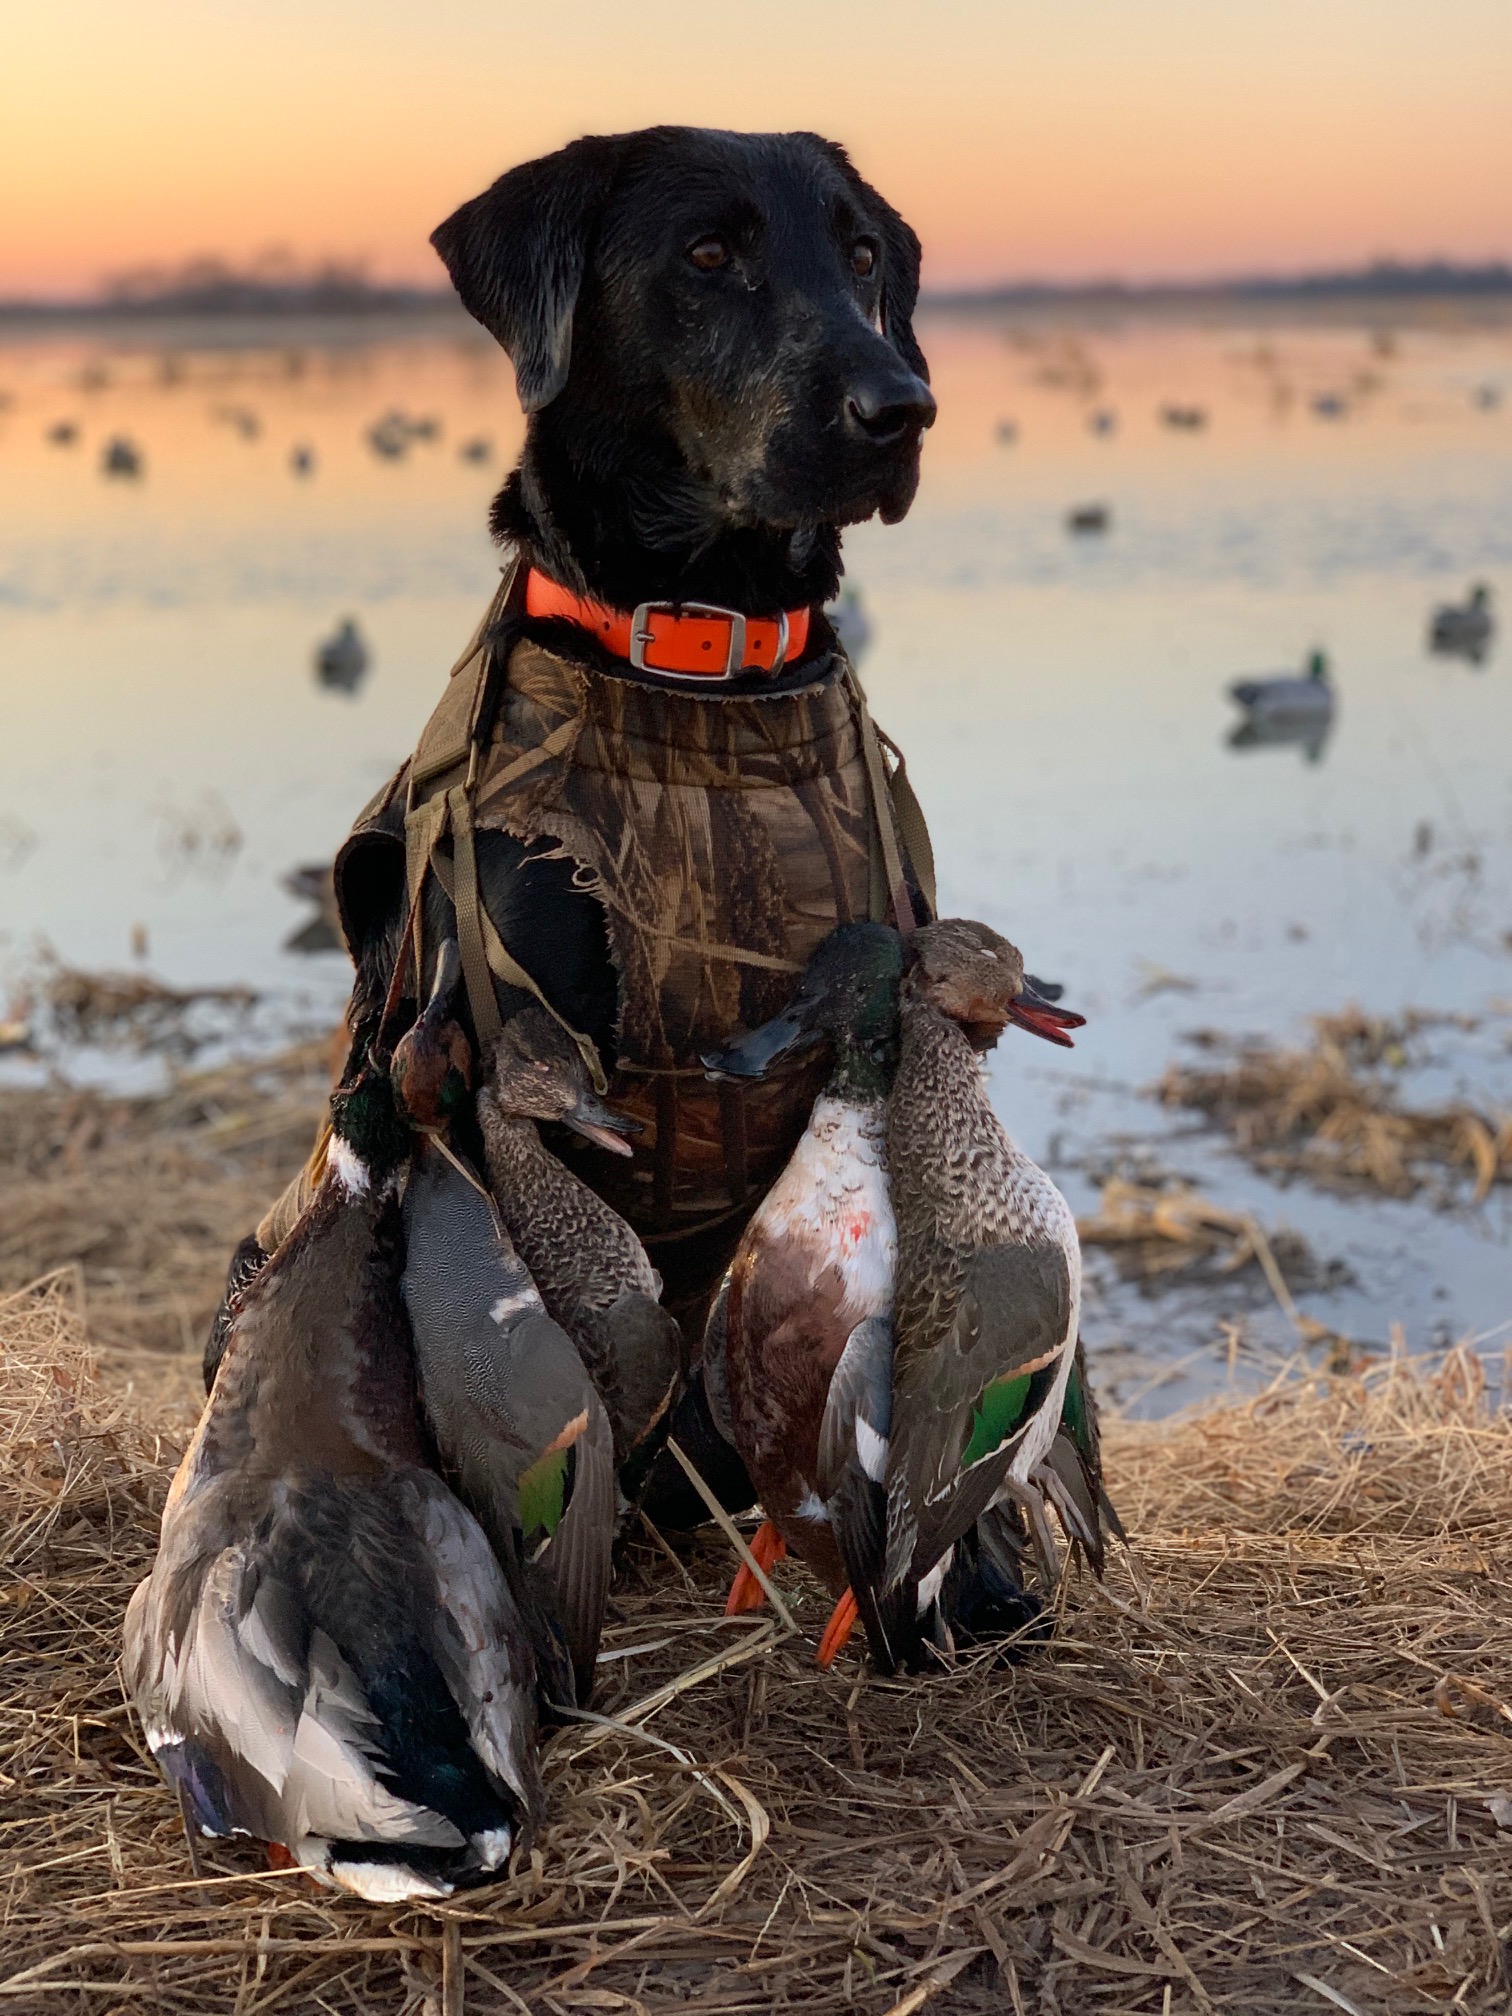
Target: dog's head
[{"x": 738, "y": 305}]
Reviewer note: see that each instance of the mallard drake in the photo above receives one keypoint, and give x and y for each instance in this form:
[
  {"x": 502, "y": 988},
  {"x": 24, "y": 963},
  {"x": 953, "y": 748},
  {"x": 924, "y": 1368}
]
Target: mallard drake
[
  {"x": 800, "y": 1337},
  {"x": 326, "y": 1655},
  {"x": 988, "y": 1284},
  {"x": 519, "y": 1428},
  {"x": 593, "y": 1273}
]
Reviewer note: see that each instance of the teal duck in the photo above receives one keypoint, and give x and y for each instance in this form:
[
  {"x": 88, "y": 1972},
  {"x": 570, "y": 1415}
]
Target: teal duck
[
  {"x": 519, "y": 1428},
  {"x": 985, "y": 1362},
  {"x": 593, "y": 1273},
  {"x": 326, "y": 1655}
]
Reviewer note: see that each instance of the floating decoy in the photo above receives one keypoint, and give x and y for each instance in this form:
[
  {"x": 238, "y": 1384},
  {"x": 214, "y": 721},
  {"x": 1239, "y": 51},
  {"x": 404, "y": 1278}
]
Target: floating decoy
[
  {"x": 1006, "y": 433},
  {"x": 519, "y": 1428},
  {"x": 327, "y": 1656},
  {"x": 478, "y": 449},
  {"x": 1183, "y": 419},
  {"x": 1463, "y": 629},
  {"x": 592, "y": 1271},
  {"x": 1306, "y": 697},
  {"x": 848, "y": 619},
  {"x": 121, "y": 458},
  {"x": 313, "y": 883},
  {"x": 341, "y": 660},
  {"x": 1089, "y": 518},
  {"x": 1329, "y": 405},
  {"x": 302, "y": 460},
  {"x": 1102, "y": 421},
  {"x": 63, "y": 433}
]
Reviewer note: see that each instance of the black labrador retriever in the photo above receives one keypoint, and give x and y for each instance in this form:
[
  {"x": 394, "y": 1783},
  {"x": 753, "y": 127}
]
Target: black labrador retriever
[{"x": 712, "y": 339}]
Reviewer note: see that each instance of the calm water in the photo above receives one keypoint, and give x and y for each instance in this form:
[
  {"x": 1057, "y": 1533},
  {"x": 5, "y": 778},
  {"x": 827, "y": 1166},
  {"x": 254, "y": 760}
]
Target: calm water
[{"x": 168, "y": 755}]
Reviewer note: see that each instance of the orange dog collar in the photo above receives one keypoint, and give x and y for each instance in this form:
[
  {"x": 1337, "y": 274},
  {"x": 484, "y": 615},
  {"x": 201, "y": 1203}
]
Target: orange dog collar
[{"x": 687, "y": 640}]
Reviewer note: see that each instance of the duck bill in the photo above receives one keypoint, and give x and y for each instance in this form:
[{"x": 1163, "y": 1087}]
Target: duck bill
[
  {"x": 1030, "y": 1010},
  {"x": 594, "y": 1121},
  {"x": 753, "y": 1055}
]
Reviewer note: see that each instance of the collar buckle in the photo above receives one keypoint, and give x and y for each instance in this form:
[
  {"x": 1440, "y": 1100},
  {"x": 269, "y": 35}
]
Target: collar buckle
[{"x": 641, "y": 635}]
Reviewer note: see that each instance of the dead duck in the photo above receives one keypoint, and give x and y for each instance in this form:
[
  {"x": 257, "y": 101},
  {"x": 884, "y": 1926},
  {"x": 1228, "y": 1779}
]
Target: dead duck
[
  {"x": 802, "y": 1330},
  {"x": 800, "y": 1337},
  {"x": 593, "y": 1273},
  {"x": 988, "y": 1288},
  {"x": 519, "y": 1429},
  {"x": 326, "y": 1655}
]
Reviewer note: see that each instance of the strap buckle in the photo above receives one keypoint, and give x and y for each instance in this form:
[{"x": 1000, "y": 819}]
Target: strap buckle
[{"x": 641, "y": 636}]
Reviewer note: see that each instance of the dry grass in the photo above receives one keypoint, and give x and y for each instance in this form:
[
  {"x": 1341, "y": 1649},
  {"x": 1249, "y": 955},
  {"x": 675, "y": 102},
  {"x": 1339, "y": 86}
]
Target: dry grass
[
  {"x": 1265, "y": 1777},
  {"x": 146, "y": 1198},
  {"x": 1332, "y": 1113}
]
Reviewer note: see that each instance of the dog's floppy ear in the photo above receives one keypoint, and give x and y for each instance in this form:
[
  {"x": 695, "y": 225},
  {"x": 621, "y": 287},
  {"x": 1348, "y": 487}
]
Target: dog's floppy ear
[{"x": 516, "y": 256}]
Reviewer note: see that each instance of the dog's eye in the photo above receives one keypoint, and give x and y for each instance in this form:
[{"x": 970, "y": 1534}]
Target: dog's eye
[
  {"x": 863, "y": 258},
  {"x": 709, "y": 254}
]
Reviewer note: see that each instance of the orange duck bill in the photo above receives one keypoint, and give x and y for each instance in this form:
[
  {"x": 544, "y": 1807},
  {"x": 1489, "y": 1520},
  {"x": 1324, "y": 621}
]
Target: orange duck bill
[
  {"x": 1036, "y": 1012},
  {"x": 767, "y": 1548}
]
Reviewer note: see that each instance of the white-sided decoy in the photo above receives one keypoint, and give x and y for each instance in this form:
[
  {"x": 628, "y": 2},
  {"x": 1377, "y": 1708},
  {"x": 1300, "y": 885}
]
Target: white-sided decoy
[{"x": 1306, "y": 696}]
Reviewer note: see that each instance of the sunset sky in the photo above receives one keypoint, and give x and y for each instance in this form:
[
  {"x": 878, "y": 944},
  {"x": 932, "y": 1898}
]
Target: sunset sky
[{"x": 1139, "y": 137}]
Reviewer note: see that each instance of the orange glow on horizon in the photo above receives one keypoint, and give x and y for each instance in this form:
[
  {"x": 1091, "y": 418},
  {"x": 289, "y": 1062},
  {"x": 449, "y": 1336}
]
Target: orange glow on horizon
[{"x": 1174, "y": 138}]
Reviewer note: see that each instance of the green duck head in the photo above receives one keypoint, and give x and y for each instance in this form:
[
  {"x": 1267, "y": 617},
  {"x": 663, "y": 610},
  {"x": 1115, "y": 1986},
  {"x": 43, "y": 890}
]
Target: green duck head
[
  {"x": 371, "y": 1137},
  {"x": 848, "y": 996},
  {"x": 432, "y": 1062},
  {"x": 539, "y": 1073},
  {"x": 971, "y": 974}
]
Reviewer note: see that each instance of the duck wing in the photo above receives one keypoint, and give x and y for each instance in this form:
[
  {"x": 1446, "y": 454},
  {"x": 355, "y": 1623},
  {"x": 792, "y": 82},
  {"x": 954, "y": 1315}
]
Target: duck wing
[
  {"x": 1074, "y": 1484},
  {"x": 961, "y": 1409},
  {"x": 853, "y": 1450},
  {"x": 352, "y": 1683},
  {"x": 516, "y": 1418}
]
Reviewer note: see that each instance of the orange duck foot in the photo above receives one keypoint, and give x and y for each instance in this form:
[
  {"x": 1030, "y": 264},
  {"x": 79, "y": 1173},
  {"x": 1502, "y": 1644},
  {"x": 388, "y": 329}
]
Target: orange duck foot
[
  {"x": 279, "y": 1856},
  {"x": 837, "y": 1632},
  {"x": 767, "y": 1548}
]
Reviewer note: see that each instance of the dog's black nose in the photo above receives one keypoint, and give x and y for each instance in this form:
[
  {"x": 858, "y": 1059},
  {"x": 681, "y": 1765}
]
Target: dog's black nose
[{"x": 887, "y": 404}]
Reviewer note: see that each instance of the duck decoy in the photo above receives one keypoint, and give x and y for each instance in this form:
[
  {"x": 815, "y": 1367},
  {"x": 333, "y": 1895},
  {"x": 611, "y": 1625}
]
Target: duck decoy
[
  {"x": 985, "y": 1319},
  {"x": 121, "y": 458},
  {"x": 592, "y": 1271},
  {"x": 520, "y": 1431},
  {"x": 302, "y": 459},
  {"x": 1085, "y": 518},
  {"x": 341, "y": 660},
  {"x": 1463, "y": 629},
  {"x": 799, "y": 1343},
  {"x": 1289, "y": 696},
  {"x": 326, "y": 1655},
  {"x": 63, "y": 433},
  {"x": 848, "y": 619}
]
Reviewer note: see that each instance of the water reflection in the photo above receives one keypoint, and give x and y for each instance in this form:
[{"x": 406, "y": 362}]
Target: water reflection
[{"x": 1061, "y": 699}]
